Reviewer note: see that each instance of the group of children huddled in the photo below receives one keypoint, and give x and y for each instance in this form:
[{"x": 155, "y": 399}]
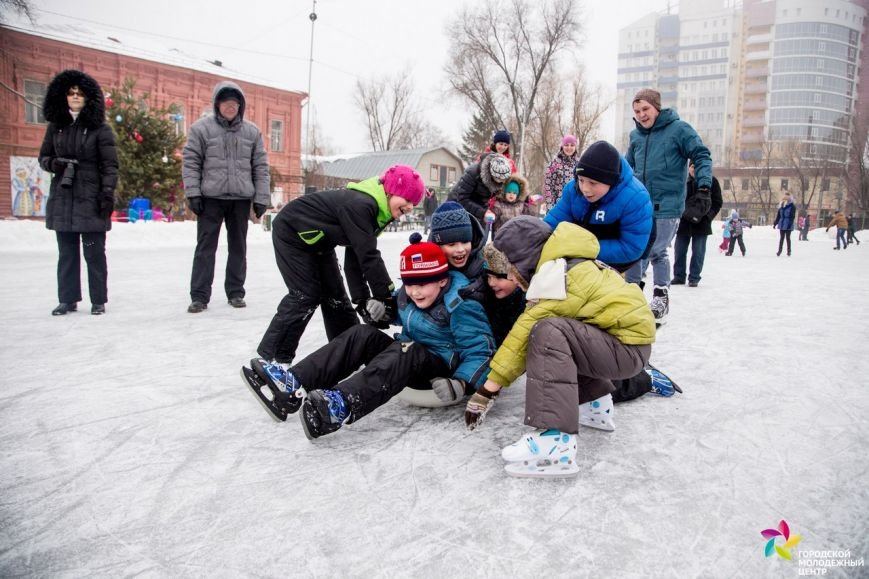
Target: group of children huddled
[{"x": 543, "y": 299}]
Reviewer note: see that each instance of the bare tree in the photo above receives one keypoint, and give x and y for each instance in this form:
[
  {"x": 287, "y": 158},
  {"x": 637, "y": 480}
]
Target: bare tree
[
  {"x": 387, "y": 103},
  {"x": 588, "y": 109},
  {"x": 503, "y": 50},
  {"x": 761, "y": 165},
  {"x": 810, "y": 172},
  {"x": 20, "y": 6},
  {"x": 857, "y": 172}
]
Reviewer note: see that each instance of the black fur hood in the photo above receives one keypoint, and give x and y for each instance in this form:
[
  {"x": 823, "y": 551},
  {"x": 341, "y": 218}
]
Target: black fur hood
[{"x": 56, "y": 110}]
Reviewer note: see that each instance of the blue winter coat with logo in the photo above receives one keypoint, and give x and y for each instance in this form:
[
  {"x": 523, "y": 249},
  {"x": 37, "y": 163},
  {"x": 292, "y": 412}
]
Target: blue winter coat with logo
[
  {"x": 453, "y": 328},
  {"x": 621, "y": 220},
  {"x": 785, "y": 217},
  {"x": 660, "y": 155}
]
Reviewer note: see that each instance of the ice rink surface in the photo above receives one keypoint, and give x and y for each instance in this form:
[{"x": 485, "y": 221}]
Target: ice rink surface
[{"x": 130, "y": 448}]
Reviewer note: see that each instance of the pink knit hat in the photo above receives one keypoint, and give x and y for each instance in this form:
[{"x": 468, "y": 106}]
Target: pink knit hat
[
  {"x": 403, "y": 181},
  {"x": 568, "y": 140}
]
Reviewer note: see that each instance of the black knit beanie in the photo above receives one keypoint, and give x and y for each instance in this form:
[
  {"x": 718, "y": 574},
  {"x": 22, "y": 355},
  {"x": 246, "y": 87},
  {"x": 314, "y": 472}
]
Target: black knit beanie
[{"x": 600, "y": 162}]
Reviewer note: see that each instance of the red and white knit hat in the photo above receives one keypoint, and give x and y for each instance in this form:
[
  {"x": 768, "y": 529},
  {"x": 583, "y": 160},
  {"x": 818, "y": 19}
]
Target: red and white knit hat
[{"x": 422, "y": 263}]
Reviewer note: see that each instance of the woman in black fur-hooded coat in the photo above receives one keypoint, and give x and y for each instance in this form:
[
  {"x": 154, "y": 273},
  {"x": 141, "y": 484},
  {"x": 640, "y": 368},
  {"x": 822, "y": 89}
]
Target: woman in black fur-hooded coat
[{"x": 79, "y": 149}]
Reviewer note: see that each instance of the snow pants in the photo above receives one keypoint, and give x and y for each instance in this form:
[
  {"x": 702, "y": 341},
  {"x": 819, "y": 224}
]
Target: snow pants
[
  {"x": 570, "y": 363},
  {"x": 313, "y": 279},
  {"x": 215, "y": 212},
  {"x": 784, "y": 235},
  {"x": 69, "y": 250},
  {"x": 734, "y": 241},
  {"x": 390, "y": 365}
]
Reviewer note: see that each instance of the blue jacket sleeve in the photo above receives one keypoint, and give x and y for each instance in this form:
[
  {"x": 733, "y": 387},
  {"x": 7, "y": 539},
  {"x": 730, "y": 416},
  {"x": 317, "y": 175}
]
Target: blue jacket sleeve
[
  {"x": 635, "y": 228},
  {"x": 563, "y": 210},
  {"x": 474, "y": 341}
]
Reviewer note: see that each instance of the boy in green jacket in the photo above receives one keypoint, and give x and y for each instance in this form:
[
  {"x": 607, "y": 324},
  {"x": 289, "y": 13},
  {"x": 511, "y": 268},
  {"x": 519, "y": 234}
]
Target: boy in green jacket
[{"x": 584, "y": 327}]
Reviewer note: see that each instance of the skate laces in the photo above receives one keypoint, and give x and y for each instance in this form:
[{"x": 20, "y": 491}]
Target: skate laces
[
  {"x": 659, "y": 304},
  {"x": 285, "y": 380},
  {"x": 338, "y": 412},
  {"x": 661, "y": 384}
]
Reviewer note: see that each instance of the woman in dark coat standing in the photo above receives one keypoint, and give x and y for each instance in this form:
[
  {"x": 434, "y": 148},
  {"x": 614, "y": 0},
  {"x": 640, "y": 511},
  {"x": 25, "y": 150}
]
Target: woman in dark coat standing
[
  {"x": 79, "y": 149},
  {"x": 785, "y": 220}
]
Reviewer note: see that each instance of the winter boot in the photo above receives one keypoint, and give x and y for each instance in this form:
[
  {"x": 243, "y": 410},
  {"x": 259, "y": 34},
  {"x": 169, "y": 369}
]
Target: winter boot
[
  {"x": 287, "y": 388},
  {"x": 63, "y": 309},
  {"x": 541, "y": 444},
  {"x": 598, "y": 413},
  {"x": 323, "y": 411},
  {"x": 662, "y": 385},
  {"x": 660, "y": 304}
]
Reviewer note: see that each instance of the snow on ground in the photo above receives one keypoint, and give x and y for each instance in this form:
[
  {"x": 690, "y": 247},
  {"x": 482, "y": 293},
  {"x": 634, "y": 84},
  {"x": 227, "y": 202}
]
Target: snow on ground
[{"x": 129, "y": 447}]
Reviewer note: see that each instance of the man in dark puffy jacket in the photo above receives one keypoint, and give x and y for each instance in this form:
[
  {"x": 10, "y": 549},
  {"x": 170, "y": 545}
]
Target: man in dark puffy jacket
[{"x": 225, "y": 170}]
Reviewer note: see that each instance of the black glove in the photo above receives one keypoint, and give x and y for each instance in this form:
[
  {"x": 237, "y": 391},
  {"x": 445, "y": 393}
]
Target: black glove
[
  {"x": 259, "y": 209},
  {"x": 107, "y": 206},
  {"x": 478, "y": 406},
  {"x": 195, "y": 204},
  {"x": 57, "y": 166},
  {"x": 377, "y": 312}
]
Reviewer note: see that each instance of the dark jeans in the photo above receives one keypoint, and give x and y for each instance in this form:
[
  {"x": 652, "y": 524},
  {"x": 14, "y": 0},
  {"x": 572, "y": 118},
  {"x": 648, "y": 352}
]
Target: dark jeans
[
  {"x": 734, "y": 239},
  {"x": 390, "y": 365},
  {"x": 214, "y": 213},
  {"x": 783, "y": 235},
  {"x": 698, "y": 255},
  {"x": 313, "y": 280},
  {"x": 841, "y": 234},
  {"x": 69, "y": 266}
]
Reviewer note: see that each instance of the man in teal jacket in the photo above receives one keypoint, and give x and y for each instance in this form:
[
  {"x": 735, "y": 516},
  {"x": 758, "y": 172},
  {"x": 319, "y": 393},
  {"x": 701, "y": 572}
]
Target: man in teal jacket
[{"x": 659, "y": 150}]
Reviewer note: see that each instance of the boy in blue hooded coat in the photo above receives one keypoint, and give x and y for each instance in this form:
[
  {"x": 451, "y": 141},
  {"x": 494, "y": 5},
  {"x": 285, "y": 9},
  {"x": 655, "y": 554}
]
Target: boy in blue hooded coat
[{"x": 606, "y": 199}]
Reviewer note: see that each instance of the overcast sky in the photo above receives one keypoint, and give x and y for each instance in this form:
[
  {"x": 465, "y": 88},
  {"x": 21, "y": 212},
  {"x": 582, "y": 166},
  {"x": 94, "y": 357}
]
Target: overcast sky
[{"x": 353, "y": 40}]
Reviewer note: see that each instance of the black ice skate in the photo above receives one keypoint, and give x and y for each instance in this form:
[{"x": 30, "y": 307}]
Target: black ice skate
[
  {"x": 323, "y": 412},
  {"x": 278, "y": 404}
]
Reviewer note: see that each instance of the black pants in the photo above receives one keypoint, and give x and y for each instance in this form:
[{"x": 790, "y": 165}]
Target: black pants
[
  {"x": 313, "y": 279},
  {"x": 784, "y": 234},
  {"x": 734, "y": 239},
  {"x": 69, "y": 266},
  {"x": 389, "y": 367},
  {"x": 214, "y": 213}
]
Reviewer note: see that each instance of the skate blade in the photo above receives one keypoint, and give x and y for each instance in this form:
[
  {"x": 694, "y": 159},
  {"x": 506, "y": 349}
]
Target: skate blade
[
  {"x": 308, "y": 434},
  {"x": 255, "y": 386},
  {"x": 529, "y": 469}
]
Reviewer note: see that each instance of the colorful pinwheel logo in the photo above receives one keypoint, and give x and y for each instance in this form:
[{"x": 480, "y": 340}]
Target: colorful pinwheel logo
[{"x": 781, "y": 531}]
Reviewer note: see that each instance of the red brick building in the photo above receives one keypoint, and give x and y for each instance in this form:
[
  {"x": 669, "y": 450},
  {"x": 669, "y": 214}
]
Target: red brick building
[{"x": 29, "y": 60}]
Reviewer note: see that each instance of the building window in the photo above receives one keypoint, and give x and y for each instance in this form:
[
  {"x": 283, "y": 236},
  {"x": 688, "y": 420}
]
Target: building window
[
  {"x": 745, "y": 184},
  {"x": 727, "y": 184},
  {"x": 825, "y": 184},
  {"x": 34, "y": 92},
  {"x": 764, "y": 184},
  {"x": 276, "y": 136},
  {"x": 784, "y": 184},
  {"x": 452, "y": 175},
  {"x": 433, "y": 173}
]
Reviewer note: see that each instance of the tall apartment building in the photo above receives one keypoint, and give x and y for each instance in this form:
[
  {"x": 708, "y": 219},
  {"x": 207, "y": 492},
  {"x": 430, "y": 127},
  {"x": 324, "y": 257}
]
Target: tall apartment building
[{"x": 751, "y": 74}]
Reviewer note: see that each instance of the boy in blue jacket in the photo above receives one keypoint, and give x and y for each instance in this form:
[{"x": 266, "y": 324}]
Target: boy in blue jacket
[
  {"x": 442, "y": 335},
  {"x": 607, "y": 200}
]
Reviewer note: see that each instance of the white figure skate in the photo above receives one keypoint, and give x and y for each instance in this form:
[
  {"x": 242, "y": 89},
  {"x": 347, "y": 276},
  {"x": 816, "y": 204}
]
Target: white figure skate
[
  {"x": 598, "y": 414},
  {"x": 542, "y": 454}
]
